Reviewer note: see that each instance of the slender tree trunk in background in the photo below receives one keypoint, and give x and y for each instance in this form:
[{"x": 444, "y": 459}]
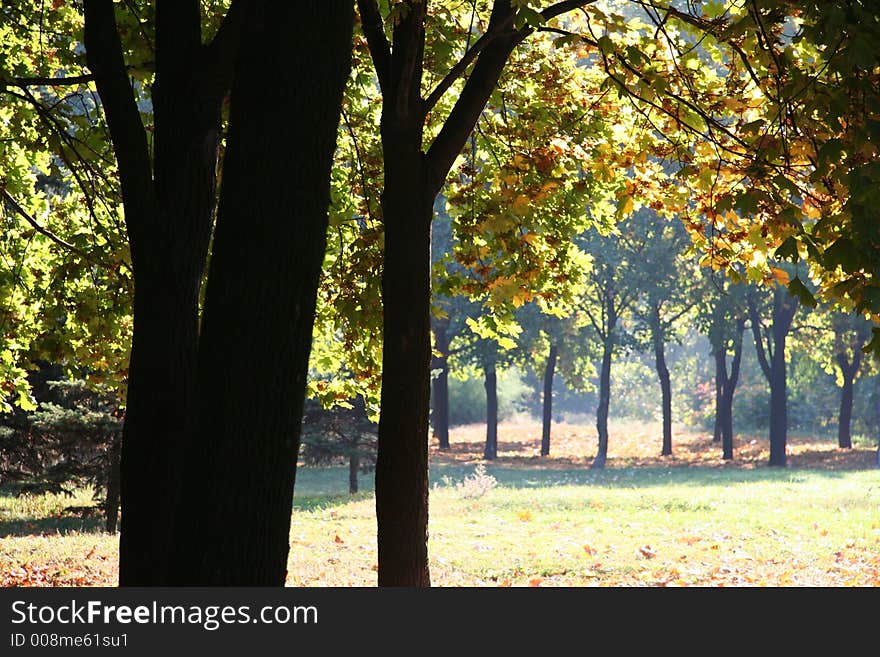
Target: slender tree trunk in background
[
  {"x": 490, "y": 451},
  {"x": 665, "y": 386},
  {"x": 547, "y": 416},
  {"x": 440, "y": 385},
  {"x": 844, "y": 422},
  {"x": 844, "y": 431},
  {"x": 111, "y": 503},
  {"x": 354, "y": 464},
  {"x": 604, "y": 403},
  {"x": 778, "y": 413},
  {"x": 720, "y": 378},
  {"x": 169, "y": 208},
  {"x": 784, "y": 308},
  {"x": 234, "y": 522},
  {"x": 730, "y": 382}
]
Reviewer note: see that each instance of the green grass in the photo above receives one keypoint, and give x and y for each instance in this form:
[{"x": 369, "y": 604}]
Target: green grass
[
  {"x": 695, "y": 526},
  {"x": 686, "y": 526}
]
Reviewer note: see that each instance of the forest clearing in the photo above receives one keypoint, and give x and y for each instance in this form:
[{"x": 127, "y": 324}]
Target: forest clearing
[{"x": 523, "y": 520}]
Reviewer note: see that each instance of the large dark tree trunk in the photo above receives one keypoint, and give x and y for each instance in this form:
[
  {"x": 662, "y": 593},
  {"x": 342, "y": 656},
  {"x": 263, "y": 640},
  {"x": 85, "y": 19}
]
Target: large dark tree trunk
[
  {"x": 402, "y": 457},
  {"x": 233, "y": 526},
  {"x": 412, "y": 180},
  {"x": 547, "y": 415},
  {"x": 604, "y": 404},
  {"x": 440, "y": 385},
  {"x": 169, "y": 208},
  {"x": 490, "y": 451}
]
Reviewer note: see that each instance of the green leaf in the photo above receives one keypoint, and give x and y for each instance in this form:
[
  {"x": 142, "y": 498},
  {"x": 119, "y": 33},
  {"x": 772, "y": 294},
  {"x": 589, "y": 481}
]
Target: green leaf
[
  {"x": 842, "y": 253},
  {"x": 606, "y": 45},
  {"x": 788, "y": 250},
  {"x": 799, "y": 290}
]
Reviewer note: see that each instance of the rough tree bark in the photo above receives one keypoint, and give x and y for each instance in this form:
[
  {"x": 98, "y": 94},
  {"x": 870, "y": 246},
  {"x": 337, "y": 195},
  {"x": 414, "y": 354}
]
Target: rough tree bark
[
  {"x": 547, "y": 415},
  {"x": 412, "y": 180},
  {"x": 260, "y": 300},
  {"x": 169, "y": 204}
]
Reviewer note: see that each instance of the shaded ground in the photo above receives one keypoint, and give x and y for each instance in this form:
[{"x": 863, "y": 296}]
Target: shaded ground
[{"x": 635, "y": 444}]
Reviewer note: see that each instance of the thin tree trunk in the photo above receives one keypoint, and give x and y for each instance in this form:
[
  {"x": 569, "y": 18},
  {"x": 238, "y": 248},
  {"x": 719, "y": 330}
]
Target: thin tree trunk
[
  {"x": 727, "y": 400},
  {"x": 783, "y": 313},
  {"x": 440, "y": 386},
  {"x": 353, "y": 467},
  {"x": 603, "y": 408},
  {"x": 234, "y": 522},
  {"x": 778, "y": 413},
  {"x": 844, "y": 423},
  {"x": 844, "y": 431},
  {"x": 665, "y": 387},
  {"x": 547, "y": 416},
  {"x": 720, "y": 381},
  {"x": 491, "y": 449},
  {"x": 730, "y": 382},
  {"x": 111, "y": 502},
  {"x": 773, "y": 368}
]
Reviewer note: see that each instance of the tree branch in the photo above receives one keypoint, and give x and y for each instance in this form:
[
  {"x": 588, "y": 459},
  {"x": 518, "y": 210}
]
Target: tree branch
[
  {"x": 46, "y": 232},
  {"x": 220, "y": 55},
  {"x": 485, "y": 39},
  {"x": 759, "y": 341},
  {"x": 380, "y": 51},
  {"x": 483, "y": 78},
  {"x": 104, "y": 58}
]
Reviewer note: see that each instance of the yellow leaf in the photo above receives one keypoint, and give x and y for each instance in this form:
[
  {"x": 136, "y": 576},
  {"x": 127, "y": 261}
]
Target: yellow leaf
[
  {"x": 779, "y": 275},
  {"x": 520, "y": 205}
]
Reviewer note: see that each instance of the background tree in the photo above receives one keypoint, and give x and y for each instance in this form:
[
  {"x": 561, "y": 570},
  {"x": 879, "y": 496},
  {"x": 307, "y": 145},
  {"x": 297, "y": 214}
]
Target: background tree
[
  {"x": 608, "y": 300},
  {"x": 770, "y": 329},
  {"x": 724, "y": 326},
  {"x": 413, "y": 176},
  {"x": 666, "y": 294}
]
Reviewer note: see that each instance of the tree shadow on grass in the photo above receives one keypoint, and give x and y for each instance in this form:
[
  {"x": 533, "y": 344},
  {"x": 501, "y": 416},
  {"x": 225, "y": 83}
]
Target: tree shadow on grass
[{"x": 52, "y": 525}]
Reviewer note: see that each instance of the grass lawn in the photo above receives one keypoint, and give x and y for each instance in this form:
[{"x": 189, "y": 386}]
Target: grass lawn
[{"x": 686, "y": 520}]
